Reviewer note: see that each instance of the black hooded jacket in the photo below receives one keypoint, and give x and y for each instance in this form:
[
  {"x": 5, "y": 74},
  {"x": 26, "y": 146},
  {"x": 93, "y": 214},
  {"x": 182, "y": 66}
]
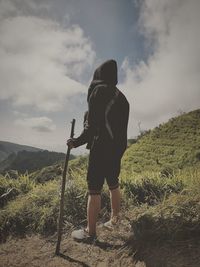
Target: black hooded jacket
[{"x": 105, "y": 123}]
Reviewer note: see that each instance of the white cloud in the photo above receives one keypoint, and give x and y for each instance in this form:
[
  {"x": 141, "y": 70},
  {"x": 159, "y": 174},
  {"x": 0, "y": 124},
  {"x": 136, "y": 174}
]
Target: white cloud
[
  {"x": 11, "y": 8},
  {"x": 6, "y": 8},
  {"x": 41, "y": 61},
  {"x": 170, "y": 79},
  {"x": 19, "y": 114},
  {"x": 40, "y": 124}
]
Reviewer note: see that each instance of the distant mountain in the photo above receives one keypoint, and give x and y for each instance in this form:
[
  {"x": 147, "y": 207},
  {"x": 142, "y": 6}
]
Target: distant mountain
[
  {"x": 171, "y": 145},
  {"x": 26, "y": 158},
  {"x": 7, "y": 148},
  {"x": 31, "y": 161}
]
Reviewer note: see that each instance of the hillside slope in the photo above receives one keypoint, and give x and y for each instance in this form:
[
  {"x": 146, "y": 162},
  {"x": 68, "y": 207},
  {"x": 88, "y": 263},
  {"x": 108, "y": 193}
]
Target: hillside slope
[
  {"x": 7, "y": 148},
  {"x": 175, "y": 144},
  {"x": 30, "y": 161}
]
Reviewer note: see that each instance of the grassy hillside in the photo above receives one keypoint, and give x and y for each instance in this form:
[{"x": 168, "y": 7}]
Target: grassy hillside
[
  {"x": 7, "y": 148},
  {"x": 172, "y": 145}
]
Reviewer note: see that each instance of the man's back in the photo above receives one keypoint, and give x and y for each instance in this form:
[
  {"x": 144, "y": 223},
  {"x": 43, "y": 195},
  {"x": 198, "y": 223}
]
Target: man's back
[
  {"x": 109, "y": 117},
  {"x": 108, "y": 113}
]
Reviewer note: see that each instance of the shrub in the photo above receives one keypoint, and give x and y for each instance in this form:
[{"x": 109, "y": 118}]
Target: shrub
[
  {"x": 29, "y": 213},
  {"x": 10, "y": 188},
  {"x": 150, "y": 190},
  {"x": 166, "y": 171},
  {"x": 177, "y": 218}
]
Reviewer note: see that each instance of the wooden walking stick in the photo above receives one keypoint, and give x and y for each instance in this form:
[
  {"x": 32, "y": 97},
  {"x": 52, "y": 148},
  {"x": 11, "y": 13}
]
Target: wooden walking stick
[{"x": 60, "y": 219}]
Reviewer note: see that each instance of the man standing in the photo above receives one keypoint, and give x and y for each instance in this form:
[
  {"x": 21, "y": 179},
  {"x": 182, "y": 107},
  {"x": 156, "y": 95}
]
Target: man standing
[{"x": 105, "y": 132}]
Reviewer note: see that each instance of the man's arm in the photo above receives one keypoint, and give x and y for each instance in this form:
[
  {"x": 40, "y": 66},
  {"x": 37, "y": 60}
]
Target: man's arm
[
  {"x": 93, "y": 118},
  {"x": 83, "y": 138}
]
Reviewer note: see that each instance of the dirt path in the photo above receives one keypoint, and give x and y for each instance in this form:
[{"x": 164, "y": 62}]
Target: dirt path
[
  {"x": 35, "y": 251},
  {"x": 110, "y": 251}
]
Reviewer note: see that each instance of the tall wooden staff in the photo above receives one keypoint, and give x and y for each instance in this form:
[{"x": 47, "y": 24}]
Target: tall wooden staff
[{"x": 60, "y": 219}]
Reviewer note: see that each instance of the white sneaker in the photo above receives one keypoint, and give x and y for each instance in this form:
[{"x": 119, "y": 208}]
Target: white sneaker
[
  {"x": 82, "y": 235},
  {"x": 112, "y": 223}
]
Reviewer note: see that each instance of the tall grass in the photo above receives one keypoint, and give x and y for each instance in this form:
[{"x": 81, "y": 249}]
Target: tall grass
[
  {"x": 152, "y": 201},
  {"x": 11, "y": 188},
  {"x": 149, "y": 187},
  {"x": 176, "y": 217}
]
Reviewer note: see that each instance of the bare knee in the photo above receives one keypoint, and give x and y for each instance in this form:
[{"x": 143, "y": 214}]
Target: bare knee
[
  {"x": 94, "y": 192},
  {"x": 114, "y": 188}
]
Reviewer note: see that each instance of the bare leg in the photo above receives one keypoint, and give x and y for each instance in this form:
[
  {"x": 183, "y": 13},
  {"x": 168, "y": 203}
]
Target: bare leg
[
  {"x": 93, "y": 208},
  {"x": 115, "y": 202}
]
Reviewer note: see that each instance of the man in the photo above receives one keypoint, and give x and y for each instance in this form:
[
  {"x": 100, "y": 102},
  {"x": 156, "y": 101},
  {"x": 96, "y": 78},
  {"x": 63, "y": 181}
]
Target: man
[{"x": 105, "y": 132}]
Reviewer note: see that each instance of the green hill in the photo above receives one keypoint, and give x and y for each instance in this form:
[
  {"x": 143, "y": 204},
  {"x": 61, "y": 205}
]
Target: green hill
[
  {"x": 24, "y": 158},
  {"x": 30, "y": 161},
  {"x": 7, "y": 148},
  {"x": 172, "y": 145}
]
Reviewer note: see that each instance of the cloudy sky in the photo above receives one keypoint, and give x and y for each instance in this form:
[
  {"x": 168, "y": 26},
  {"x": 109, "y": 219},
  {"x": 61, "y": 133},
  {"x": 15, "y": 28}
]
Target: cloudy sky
[{"x": 49, "y": 50}]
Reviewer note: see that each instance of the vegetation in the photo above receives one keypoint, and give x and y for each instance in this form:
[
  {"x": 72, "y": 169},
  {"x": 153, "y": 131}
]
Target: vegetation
[
  {"x": 175, "y": 217},
  {"x": 154, "y": 204},
  {"x": 11, "y": 188},
  {"x": 7, "y": 148},
  {"x": 34, "y": 207},
  {"x": 161, "y": 201},
  {"x": 30, "y": 161},
  {"x": 173, "y": 145}
]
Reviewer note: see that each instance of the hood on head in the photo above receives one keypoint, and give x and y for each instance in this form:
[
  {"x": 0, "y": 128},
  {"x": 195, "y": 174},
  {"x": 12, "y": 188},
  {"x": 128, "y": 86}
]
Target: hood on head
[{"x": 106, "y": 72}]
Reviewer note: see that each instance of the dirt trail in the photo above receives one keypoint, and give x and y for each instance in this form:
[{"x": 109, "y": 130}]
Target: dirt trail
[
  {"x": 111, "y": 250},
  {"x": 35, "y": 251}
]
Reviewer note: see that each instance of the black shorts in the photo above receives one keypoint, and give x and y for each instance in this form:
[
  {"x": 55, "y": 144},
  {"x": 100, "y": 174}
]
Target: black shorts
[{"x": 103, "y": 164}]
